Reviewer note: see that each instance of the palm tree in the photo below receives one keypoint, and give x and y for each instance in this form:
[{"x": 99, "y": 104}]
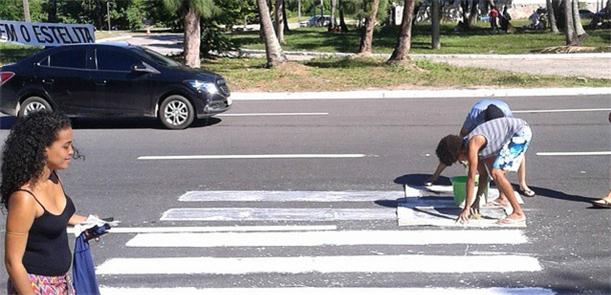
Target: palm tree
[
  {"x": 574, "y": 33},
  {"x": 367, "y": 36},
  {"x": 404, "y": 39},
  {"x": 273, "y": 51},
  {"x": 279, "y": 20},
  {"x": 191, "y": 11}
]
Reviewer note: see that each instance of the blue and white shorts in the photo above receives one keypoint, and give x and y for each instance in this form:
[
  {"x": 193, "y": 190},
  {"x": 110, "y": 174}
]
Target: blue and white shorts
[{"x": 512, "y": 152}]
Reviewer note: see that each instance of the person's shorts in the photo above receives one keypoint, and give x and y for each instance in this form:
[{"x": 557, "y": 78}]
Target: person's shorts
[{"x": 512, "y": 153}]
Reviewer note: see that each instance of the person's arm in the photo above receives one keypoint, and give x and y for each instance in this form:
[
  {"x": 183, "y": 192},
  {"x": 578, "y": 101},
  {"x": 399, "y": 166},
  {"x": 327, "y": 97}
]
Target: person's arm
[
  {"x": 21, "y": 214},
  {"x": 431, "y": 180},
  {"x": 473, "y": 147},
  {"x": 76, "y": 219},
  {"x": 463, "y": 132}
]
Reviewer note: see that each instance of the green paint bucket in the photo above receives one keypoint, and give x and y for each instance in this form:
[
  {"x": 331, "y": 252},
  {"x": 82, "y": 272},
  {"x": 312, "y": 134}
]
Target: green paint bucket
[{"x": 459, "y": 188}]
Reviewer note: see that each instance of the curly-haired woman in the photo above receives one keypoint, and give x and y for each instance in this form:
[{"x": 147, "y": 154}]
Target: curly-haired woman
[{"x": 37, "y": 255}]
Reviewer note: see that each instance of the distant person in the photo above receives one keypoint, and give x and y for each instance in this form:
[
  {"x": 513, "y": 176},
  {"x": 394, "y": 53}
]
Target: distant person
[
  {"x": 494, "y": 147},
  {"x": 482, "y": 111},
  {"x": 494, "y": 15},
  {"x": 505, "y": 20},
  {"x": 37, "y": 255}
]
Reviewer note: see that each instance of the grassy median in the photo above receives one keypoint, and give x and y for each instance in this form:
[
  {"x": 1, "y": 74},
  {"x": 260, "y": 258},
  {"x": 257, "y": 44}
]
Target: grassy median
[{"x": 247, "y": 74}]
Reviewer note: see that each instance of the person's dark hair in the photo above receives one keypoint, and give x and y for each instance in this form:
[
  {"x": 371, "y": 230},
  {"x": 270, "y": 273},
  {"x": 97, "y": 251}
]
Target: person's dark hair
[
  {"x": 448, "y": 149},
  {"x": 23, "y": 154}
]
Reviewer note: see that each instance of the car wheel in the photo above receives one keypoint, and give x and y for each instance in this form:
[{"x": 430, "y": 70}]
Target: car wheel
[
  {"x": 33, "y": 104},
  {"x": 176, "y": 112}
]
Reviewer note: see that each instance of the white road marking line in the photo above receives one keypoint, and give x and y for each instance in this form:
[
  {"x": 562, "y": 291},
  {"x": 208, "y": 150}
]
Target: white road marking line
[
  {"x": 321, "y": 264},
  {"x": 600, "y": 153},
  {"x": 326, "y": 291},
  {"x": 560, "y": 111},
  {"x": 271, "y": 114},
  {"x": 209, "y": 229},
  {"x": 338, "y": 238},
  {"x": 293, "y": 214},
  {"x": 295, "y": 196},
  {"x": 269, "y": 156}
]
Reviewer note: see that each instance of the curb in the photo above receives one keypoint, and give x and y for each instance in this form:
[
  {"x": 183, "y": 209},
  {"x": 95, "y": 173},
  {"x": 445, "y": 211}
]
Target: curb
[{"x": 409, "y": 94}]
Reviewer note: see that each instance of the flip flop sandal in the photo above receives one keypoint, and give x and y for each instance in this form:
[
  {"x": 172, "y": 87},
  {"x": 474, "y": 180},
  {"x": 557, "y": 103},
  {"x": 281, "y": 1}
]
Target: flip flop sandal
[
  {"x": 527, "y": 192},
  {"x": 602, "y": 203},
  {"x": 509, "y": 221}
]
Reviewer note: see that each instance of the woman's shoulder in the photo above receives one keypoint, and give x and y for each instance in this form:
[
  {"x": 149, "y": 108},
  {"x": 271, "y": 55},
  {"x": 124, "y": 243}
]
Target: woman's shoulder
[{"x": 22, "y": 198}]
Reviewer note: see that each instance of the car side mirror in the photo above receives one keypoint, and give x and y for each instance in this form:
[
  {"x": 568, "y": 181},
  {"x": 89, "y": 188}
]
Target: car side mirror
[{"x": 140, "y": 68}]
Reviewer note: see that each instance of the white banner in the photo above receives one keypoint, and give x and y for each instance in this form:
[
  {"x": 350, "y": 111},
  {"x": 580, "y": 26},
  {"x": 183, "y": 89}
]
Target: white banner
[{"x": 45, "y": 34}]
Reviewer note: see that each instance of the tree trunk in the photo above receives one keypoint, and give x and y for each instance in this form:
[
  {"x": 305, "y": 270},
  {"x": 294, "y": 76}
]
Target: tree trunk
[
  {"x": 367, "y": 36},
  {"x": 569, "y": 27},
  {"x": 581, "y": 33},
  {"x": 472, "y": 13},
  {"x": 192, "y": 38},
  {"x": 298, "y": 10},
  {"x": 322, "y": 7},
  {"x": 273, "y": 51},
  {"x": 551, "y": 16},
  {"x": 435, "y": 22},
  {"x": 286, "y": 19},
  {"x": 333, "y": 7},
  {"x": 52, "y": 16},
  {"x": 26, "y": 11},
  {"x": 342, "y": 21},
  {"x": 279, "y": 20},
  {"x": 404, "y": 40}
]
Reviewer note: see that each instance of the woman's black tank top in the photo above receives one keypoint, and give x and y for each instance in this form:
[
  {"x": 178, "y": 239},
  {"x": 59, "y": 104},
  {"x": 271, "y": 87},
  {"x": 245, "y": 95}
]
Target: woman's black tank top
[{"x": 47, "y": 252}]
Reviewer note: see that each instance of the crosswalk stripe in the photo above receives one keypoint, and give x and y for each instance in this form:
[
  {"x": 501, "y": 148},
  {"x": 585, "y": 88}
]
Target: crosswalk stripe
[
  {"x": 343, "y": 238},
  {"x": 326, "y": 291},
  {"x": 266, "y": 156},
  {"x": 210, "y": 229},
  {"x": 294, "y": 196},
  {"x": 292, "y": 214},
  {"x": 321, "y": 264}
]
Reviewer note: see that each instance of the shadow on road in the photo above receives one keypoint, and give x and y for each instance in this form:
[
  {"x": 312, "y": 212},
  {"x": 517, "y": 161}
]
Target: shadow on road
[
  {"x": 554, "y": 194},
  {"x": 419, "y": 179},
  {"x": 80, "y": 123}
]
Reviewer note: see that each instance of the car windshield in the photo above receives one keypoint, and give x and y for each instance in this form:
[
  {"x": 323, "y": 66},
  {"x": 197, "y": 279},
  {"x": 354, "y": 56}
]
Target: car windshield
[{"x": 158, "y": 58}]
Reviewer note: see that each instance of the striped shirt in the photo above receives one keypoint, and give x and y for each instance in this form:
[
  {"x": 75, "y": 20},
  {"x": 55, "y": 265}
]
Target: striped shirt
[{"x": 497, "y": 133}]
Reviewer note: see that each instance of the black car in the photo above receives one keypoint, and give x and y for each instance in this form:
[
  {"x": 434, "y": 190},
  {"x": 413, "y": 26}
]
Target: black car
[{"x": 118, "y": 79}]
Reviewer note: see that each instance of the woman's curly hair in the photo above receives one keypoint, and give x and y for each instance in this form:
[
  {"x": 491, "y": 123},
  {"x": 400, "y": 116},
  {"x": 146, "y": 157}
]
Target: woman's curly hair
[
  {"x": 23, "y": 154},
  {"x": 448, "y": 149}
]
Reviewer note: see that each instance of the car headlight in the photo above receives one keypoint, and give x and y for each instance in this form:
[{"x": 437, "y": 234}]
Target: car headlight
[{"x": 198, "y": 85}]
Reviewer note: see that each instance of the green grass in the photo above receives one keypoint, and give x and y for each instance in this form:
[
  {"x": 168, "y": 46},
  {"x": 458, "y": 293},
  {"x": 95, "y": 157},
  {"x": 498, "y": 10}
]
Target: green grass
[
  {"x": 245, "y": 74},
  {"x": 479, "y": 40},
  {"x": 11, "y": 52}
]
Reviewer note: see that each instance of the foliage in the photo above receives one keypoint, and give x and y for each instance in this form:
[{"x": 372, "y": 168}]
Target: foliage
[
  {"x": 213, "y": 40},
  {"x": 13, "y": 10}
]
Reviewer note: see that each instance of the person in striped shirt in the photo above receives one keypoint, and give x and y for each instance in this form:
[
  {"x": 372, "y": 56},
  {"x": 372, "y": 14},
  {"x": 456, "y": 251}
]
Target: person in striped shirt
[
  {"x": 492, "y": 148},
  {"x": 482, "y": 111}
]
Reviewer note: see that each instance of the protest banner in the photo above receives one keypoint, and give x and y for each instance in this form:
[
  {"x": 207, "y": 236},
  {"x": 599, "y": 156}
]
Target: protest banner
[{"x": 45, "y": 34}]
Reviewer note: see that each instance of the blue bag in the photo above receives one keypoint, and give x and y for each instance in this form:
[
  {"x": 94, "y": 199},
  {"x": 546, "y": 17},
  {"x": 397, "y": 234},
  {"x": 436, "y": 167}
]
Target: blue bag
[{"x": 83, "y": 270}]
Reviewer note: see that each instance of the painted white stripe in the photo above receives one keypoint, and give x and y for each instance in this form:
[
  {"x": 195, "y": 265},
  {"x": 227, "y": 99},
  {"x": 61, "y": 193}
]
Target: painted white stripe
[
  {"x": 326, "y": 291},
  {"x": 601, "y": 153},
  {"x": 293, "y": 214},
  {"x": 202, "y": 229},
  {"x": 322, "y": 264},
  {"x": 339, "y": 238},
  {"x": 296, "y": 196},
  {"x": 270, "y": 114},
  {"x": 561, "y": 111},
  {"x": 269, "y": 156}
]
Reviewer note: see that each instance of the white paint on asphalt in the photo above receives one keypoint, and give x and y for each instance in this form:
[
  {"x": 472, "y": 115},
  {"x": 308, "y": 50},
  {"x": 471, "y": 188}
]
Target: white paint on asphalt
[
  {"x": 336, "y": 238},
  {"x": 274, "y": 214},
  {"x": 296, "y": 196},
  {"x": 325, "y": 291},
  {"x": 321, "y": 264},
  {"x": 209, "y": 229},
  {"x": 268, "y": 156},
  {"x": 270, "y": 114},
  {"x": 561, "y": 111},
  {"x": 601, "y": 153}
]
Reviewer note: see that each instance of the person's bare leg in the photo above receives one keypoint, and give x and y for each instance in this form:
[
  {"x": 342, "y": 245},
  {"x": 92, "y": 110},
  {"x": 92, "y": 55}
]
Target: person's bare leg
[
  {"x": 522, "y": 175},
  {"x": 505, "y": 187}
]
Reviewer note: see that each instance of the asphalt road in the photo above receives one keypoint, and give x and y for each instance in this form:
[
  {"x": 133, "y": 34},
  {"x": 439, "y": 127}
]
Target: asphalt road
[{"x": 569, "y": 238}]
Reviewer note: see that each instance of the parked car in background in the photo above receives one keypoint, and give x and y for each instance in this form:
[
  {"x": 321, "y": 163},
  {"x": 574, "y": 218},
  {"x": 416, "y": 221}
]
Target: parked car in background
[
  {"x": 316, "y": 21},
  {"x": 111, "y": 80},
  {"x": 586, "y": 13}
]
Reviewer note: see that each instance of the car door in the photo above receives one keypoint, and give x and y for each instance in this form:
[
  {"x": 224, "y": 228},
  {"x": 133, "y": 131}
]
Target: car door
[
  {"x": 66, "y": 79},
  {"x": 120, "y": 90}
]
